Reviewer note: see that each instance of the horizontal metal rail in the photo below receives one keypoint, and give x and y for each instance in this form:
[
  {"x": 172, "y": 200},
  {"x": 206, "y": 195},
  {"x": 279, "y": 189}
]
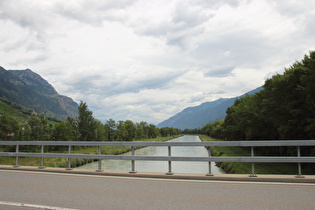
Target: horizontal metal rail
[
  {"x": 248, "y": 159},
  {"x": 256, "y": 159},
  {"x": 136, "y": 144}
]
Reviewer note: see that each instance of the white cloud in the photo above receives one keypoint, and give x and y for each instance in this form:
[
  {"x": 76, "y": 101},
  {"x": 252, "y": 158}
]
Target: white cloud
[{"x": 148, "y": 60}]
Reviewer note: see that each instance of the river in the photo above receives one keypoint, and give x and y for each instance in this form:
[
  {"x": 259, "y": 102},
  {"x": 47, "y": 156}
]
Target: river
[{"x": 162, "y": 166}]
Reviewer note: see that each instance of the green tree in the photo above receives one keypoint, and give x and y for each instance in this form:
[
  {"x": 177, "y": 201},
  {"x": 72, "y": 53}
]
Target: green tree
[
  {"x": 288, "y": 100},
  {"x": 145, "y": 129},
  {"x": 131, "y": 130},
  {"x": 244, "y": 120},
  {"x": 165, "y": 131},
  {"x": 38, "y": 128},
  {"x": 8, "y": 126},
  {"x": 139, "y": 131},
  {"x": 86, "y": 123},
  {"x": 72, "y": 126},
  {"x": 218, "y": 130},
  {"x": 100, "y": 131},
  {"x": 121, "y": 131},
  {"x": 284, "y": 109},
  {"x": 61, "y": 132},
  {"x": 110, "y": 127},
  {"x": 153, "y": 131},
  {"x": 308, "y": 85}
]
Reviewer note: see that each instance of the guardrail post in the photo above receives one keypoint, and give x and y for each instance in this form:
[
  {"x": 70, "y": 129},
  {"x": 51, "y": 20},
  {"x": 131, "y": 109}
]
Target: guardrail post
[
  {"x": 69, "y": 159},
  {"x": 133, "y": 161},
  {"x": 42, "y": 158},
  {"x": 169, "y": 162},
  {"x": 299, "y": 164},
  {"x": 99, "y": 160},
  {"x": 253, "y": 164},
  {"x": 209, "y": 152},
  {"x": 17, "y": 157}
]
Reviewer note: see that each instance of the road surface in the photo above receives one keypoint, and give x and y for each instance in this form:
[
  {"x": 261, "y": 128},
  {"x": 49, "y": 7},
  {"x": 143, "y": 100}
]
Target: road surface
[{"x": 36, "y": 190}]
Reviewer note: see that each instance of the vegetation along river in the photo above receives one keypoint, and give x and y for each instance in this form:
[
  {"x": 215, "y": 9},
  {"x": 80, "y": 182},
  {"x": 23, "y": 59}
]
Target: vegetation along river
[{"x": 162, "y": 166}]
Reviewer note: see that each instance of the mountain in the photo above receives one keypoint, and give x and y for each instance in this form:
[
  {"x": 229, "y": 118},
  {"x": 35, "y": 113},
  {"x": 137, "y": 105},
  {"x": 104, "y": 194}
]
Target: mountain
[
  {"x": 28, "y": 89},
  {"x": 35, "y": 81},
  {"x": 199, "y": 116}
]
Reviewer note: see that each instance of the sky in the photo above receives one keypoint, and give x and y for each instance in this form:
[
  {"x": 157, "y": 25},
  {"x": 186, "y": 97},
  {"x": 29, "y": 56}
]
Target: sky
[{"x": 148, "y": 60}]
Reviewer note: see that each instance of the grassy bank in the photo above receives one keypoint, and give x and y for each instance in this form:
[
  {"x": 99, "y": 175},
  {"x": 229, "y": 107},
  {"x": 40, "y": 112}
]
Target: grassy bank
[
  {"x": 18, "y": 113},
  {"x": 63, "y": 162},
  {"x": 260, "y": 168}
]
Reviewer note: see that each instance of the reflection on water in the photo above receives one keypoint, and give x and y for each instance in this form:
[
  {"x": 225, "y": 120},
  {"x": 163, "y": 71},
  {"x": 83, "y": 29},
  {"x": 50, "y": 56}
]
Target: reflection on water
[{"x": 162, "y": 166}]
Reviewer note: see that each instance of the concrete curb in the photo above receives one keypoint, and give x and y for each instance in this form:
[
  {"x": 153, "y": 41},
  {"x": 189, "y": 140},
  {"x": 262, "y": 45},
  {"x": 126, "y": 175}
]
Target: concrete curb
[{"x": 218, "y": 177}]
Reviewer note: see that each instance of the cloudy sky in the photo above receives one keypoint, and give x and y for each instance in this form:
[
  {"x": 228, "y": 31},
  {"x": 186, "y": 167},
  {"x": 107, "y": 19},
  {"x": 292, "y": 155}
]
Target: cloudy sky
[{"x": 148, "y": 60}]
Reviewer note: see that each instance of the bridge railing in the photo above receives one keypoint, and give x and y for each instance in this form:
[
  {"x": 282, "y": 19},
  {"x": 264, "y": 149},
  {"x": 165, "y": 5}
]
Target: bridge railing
[{"x": 248, "y": 159}]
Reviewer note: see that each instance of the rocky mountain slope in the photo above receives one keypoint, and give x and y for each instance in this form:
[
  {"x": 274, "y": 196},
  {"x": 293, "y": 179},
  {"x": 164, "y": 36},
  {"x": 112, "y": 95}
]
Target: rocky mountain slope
[{"x": 28, "y": 89}]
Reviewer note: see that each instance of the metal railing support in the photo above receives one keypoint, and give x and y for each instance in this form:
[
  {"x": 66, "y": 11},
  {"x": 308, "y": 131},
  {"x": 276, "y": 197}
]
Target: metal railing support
[
  {"x": 253, "y": 164},
  {"x": 169, "y": 162},
  {"x": 133, "y": 170},
  {"x": 99, "y": 160},
  {"x": 209, "y": 153},
  {"x": 69, "y": 159},
  {"x": 299, "y": 164},
  {"x": 42, "y": 158},
  {"x": 17, "y": 157}
]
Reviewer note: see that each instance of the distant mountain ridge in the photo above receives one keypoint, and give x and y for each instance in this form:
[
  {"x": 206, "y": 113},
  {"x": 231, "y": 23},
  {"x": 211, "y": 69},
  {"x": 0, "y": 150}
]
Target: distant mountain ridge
[
  {"x": 35, "y": 81},
  {"x": 199, "y": 116},
  {"x": 29, "y": 89}
]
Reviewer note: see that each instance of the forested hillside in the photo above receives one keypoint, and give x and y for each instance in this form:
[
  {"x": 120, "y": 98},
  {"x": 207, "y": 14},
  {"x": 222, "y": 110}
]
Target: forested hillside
[{"x": 284, "y": 109}]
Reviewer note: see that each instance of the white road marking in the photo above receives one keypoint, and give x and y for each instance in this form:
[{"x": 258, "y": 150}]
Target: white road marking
[
  {"x": 161, "y": 179},
  {"x": 6, "y": 203}
]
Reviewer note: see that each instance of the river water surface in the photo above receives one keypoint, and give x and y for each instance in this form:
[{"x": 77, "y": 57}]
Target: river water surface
[{"x": 162, "y": 166}]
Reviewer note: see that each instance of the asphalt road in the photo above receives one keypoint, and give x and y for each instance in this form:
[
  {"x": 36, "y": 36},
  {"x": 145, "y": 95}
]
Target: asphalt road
[{"x": 36, "y": 190}]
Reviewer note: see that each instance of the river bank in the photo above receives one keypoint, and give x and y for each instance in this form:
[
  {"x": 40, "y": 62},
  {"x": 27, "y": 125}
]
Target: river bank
[
  {"x": 229, "y": 167},
  {"x": 246, "y": 168}
]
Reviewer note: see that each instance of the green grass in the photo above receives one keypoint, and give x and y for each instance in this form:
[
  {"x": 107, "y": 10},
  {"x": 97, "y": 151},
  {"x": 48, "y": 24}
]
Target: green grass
[
  {"x": 19, "y": 113},
  {"x": 260, "y": 168},
  {"x": 63, "y": 162},
  {"x": 14, "y": 113}
]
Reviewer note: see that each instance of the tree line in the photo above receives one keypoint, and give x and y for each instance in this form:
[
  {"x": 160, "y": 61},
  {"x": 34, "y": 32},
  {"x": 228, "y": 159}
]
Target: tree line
[
  {"x": 83, "y": 128},
  {"x": 283, "y": 109}
]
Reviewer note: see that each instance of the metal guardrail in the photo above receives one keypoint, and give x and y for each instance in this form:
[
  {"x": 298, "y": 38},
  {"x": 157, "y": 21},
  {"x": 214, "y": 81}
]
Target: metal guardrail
[{"x": 250, "y": 159}]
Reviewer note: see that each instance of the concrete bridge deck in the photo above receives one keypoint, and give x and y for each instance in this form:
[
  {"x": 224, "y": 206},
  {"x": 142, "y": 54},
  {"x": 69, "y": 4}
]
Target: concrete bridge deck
[{"x": 188, "y": 176}]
